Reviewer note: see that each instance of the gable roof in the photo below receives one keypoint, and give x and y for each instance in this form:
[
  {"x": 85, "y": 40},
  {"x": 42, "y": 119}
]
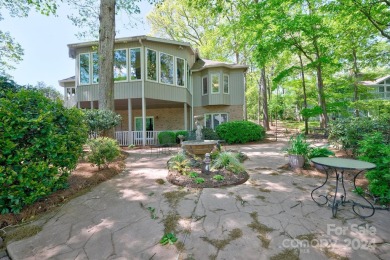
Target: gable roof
[
  {"x": 376, "y": 82},
  {"x": 140, "y": 38},
  {"x": 63, "y": 81},
  {"x": 202, "y": 64}
]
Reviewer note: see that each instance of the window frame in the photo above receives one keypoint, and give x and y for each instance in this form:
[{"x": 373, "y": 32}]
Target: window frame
[
  {"x": 228, "y": 83},
  {"x": 127, "y": 66},
  {"x": 89, "y": 68},
  {"x": 207, "y": 86},
  {"x": 219, "y": 83},
  {"x": 212, "y": 116},
  {"x": 140, "y": 62},
  {"x": 184, "y": 72},
  {"x": 146, "y": 65},
  {"x": 173, "y": 68}
]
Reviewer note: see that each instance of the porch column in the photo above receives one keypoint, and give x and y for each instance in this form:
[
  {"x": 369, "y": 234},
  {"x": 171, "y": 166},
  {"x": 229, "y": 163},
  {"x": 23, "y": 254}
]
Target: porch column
[
  {"x": 91, "y": 104},
  {"x": 185, "y": 116},
  {"x": 130, "y": 120}
]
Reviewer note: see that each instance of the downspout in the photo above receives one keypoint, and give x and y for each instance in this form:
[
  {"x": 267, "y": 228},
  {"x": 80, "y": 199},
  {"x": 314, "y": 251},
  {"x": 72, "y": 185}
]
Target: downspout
[
  {"x": 192, "y": 102},
  {"x": 143, "y": 95}
]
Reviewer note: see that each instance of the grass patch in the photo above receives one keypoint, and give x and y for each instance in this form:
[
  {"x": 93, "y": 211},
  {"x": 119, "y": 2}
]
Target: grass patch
[
  {"x": 180, "y": 246},
  {"x": 264, "y": 190},
  {"x": 286, "y": 254},
  {"x": 241, "y": 200},
  {"x": 170, "y": 222},
  {"x": 222, "y": 243},
  {"x": 261, "y": 229},
  {"x": 22, "y": 233},
  {"x": 174, "y": 197},
  {"x": 160, "y": 181},
  {"x": 260, "y": 197},
  {"x": 307, "y": 237}
]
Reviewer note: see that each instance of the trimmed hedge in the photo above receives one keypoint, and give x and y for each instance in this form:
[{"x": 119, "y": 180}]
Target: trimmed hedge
[
  {"x": 240, "y": 132},
  {"x": 40, "y": 143},
  {"x": 167, "y": 137},
  {"x": 183, "y": 133}
]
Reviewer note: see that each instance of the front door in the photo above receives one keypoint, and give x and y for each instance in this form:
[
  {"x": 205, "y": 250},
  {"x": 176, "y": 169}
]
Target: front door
[{"x": 149, "y": 126}]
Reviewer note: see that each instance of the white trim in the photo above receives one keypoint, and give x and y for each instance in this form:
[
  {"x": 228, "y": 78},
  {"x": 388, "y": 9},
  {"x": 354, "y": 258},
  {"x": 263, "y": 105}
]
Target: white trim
[
  {"x": 219, "y": 83},
  {"x": 146, "y": 65},
  {"x": 223, "y": 83},
  {"x": 173, "y": 72},
  {"x": 89, "y": 69},
  {"x": 127, "y": 66},
  {"x": 207, "y": 86},
  {"x": 140, "y": 63}
]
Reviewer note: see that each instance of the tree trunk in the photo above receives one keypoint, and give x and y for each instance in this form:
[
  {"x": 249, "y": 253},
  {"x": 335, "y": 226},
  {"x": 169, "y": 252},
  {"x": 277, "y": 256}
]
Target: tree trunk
[
  {"x": 304, "y": 93},
  {"x": 263, "y": 85},
  {"x": 355, "y": 80},
  {"x": 106, "y": 56}
]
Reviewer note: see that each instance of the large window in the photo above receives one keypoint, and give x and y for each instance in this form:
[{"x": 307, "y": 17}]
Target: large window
[
  {"x": 214, "y": 83},
  {"x": 151, "y": 64},
  {"x": 95, "y": 68},
  {"x": 225, "y": 84},
  {"x": 135, "y": 64},
  {"x": 214, "y": 120},
  {"x": 180, "y": 75},
  {"x": 166, "y": 68},
  {"x": 204, "y": 85},
  {"x": 84, "y": 68},
  {"x": 120, "y": 65}
]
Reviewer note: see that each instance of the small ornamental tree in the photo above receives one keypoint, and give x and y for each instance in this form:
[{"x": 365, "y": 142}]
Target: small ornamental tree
[
  {"x": 40, "y": 143},
  {"x": 100, "y": 121},
  {"x": 240, "y": 132},
  {"x": 103, "y": 151}
]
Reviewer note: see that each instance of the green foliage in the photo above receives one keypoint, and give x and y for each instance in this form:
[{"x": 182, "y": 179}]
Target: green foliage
[
  {"x": 179, "y": 163},
  {"x": 311, "y": 112},
  {"x": 218, "y": 177},
  {"x": 199, "y": 180},
  {"x": 103, "y": 151},
  {"x": 372, "y": 148},
  {"x": 240, "y": 132},
  {"x": 193, "y": 175},
  {"x": 209, "y": 134},
  {"x": 298, "y": 145},
  {"x": 349, "y": 131},
  {"x": 40, "y": 143},
  {"x": 166, "y": 137},
  {"x": 168, "y": 238},
  {"x": 319, "y": 152},
  {"x": 100, "y": 121},
  {"x": 229, "y": 161},
  {"x": 152, "y": 212},
  {"x": 183, "y": 133},
  {"x": 7, "y": 84}
]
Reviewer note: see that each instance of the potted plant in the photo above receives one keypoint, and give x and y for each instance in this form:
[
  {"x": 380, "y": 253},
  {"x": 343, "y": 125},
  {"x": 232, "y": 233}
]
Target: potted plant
[
  {"x": 297, "y": 151},
  {"x": 319, "y": 152}
]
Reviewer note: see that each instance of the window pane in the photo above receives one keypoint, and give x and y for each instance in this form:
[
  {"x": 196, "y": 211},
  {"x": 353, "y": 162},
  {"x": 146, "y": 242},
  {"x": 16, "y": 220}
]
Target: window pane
[
  {"x": 215, "y": 83},
  {"x": 120, "y": 65},
  {"x": 135, "y": 64},
  {"x": 95, "y": 68},
  {"x": 388, "y": 88},
  {"x": 180, "y": 72},
  {"x": 226, "y": 84},
  {"x": 151, "y": 63},
  {"x": 381, "y": 89},
  {"x": 208, "y": 121},
  {"x": 166, "y": 63},
  {"x": 204, "y": 85},
  {"x": 84, "y": 68}
]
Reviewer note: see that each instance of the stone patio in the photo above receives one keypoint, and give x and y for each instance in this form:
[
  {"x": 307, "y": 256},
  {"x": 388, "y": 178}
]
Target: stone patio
[{"x": 271, "y": 216}]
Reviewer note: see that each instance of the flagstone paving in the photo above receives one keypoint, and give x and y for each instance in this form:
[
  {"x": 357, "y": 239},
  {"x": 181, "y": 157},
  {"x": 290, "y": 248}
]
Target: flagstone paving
[{"x": 271, "y": 216}]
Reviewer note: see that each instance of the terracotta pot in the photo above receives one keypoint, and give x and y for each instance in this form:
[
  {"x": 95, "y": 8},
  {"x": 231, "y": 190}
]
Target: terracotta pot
[{"x": 296, "y": 160}]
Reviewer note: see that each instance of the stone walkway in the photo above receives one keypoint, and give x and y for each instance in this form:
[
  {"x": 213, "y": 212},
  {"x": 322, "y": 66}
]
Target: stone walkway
[{"x": 271, "y": 216}]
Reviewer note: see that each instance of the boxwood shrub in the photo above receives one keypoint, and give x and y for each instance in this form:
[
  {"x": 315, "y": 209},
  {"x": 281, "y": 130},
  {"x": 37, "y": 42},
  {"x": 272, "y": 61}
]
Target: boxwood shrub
[
  {"x": 240, "y": 132},
  {"x": 183, "y": 133},
  {"x": 166, "y": 137},
  {"x": 40, "y": 143}
]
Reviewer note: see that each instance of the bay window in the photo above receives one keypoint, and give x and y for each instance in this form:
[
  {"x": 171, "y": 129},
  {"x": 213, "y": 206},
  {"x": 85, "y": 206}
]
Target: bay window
[
  {"x": 120, "y": 65},
  {"x": 151, "y": 64},
  {"x": 166, "y": 68},
  {"x": 84, "y": 68},
  {"x": 180, "y": 69},
  {"x": 214, "y": 83},
  {"x": 135, "y": 64},
  {"x": 204, "y": 85},
  {"x": 95, "y": 68},
  {"x": 214, "y": 120},
  {"x": 225, "y": 84}
]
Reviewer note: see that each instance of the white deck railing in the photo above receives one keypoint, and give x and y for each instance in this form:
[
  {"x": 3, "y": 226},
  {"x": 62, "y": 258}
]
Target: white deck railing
[{"x": 135, "y": 137}]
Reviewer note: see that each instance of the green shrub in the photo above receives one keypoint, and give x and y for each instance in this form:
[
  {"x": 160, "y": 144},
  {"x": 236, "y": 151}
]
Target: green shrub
[
  {"x": 240, "y": 132},
  {"x": 319, "y": 152},
  {"x": 100, "y": 121},
  {"x": 179, "y": 163},
  {"x": 228, "y": 161},
  {"x": 183, "y": 133},
  {"x": 349, "y": 131},
  {"x": 40, "y": 143},
  {"x": 374, "y": 149},
  {"x": 104, "y": 151},
  {"x": 209, "y": 134},
  {"x": 297, "y": 145},
  {"x": 166, "y": 137}
]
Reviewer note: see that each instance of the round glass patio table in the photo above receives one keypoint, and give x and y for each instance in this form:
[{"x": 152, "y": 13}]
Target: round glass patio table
[{"x": 338, "y": 166}]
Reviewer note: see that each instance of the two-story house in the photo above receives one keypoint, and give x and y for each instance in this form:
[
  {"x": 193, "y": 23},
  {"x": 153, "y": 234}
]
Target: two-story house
[
  {"x": 159, "y": 85},
  {"x": 379, "y": 88}
]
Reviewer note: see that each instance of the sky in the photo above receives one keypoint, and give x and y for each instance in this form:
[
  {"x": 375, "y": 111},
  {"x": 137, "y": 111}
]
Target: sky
[{"x": 44, "y": 40}]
